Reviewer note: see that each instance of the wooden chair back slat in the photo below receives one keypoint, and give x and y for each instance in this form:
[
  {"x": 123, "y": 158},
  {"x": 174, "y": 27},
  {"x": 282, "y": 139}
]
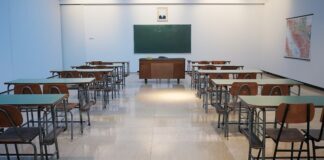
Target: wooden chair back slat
[
  {"x": 219, "y": 76},
  {"x": 218, "y": 62},
  {"x": 70, "y": 74},
  {"x": 203, "y": 62},
  {"x": 55, "y": 89},
  {"x": 27, "y": 89},
  {"x": 10, "y": 116},
  {"x": 275, "y": 90},
  {"x": 246, "y": 76},
  {"x": 244, "y": 88},
  {"x": 296, "y": 113},
  {"x": 230, "y": 67}
]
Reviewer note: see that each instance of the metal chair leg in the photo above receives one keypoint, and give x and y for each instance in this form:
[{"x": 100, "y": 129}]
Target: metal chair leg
[
  {"x": 81, "y": 122},
  {"x": 71, "y": 125},
  {"x": 292, "y": 150},
  {"x": 88, "y": 113},
  {"x": 7, "y": 152},
  {"x": 300, "y": 149},
  {"x": 17, "y": 152},
  {"x": 35, "y": 150},
  {"x": 314, "y": 149},
  {"x": 275, "y": 152}
]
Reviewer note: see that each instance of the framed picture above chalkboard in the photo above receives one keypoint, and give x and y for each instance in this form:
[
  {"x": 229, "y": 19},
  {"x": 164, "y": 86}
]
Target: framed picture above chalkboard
[{"x": 162, "y": 14}]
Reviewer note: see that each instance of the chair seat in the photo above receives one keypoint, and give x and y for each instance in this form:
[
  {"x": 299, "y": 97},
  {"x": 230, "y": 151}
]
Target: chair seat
[
  {"x": 69, "y": 106},
  {"x": 287, "y": 135},
  {"x": 27, "y": 135},
  {"x": 315, "y": 134}
]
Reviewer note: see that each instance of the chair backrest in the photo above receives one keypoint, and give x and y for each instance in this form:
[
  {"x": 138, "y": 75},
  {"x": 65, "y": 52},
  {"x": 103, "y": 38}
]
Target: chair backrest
[
  {"x": 102, "y": 67},
  {"x": 96, "y": 63},
  {"x": 97, "y": 75},
  {"x": 230, "y": 67},
  {"x": 207, "y": 67},
  {"x": 218, "y": 62},
  {"x": 107, "y": 63},
  {"x": 219, "y": 76},
  {"x": 203, "y": 62},
  {"x": 246, "y": 76},
  {"x": 27, "y": 89},
  {"x": 244, "y": 88},
  {"x": 70, "y": 74},
  {"x": 10, "y": 116},
  {"x": 294, "y": 113},
  {"x": 275, "y": 90},
  {"x": 55, "y": 89},
  {"x": 84, "y": 67}
]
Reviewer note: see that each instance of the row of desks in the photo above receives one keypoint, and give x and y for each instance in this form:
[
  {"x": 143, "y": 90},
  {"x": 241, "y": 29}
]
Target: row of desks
[
  {"x": 50, "y": 99},
  {"x": 254, "y": 103}
]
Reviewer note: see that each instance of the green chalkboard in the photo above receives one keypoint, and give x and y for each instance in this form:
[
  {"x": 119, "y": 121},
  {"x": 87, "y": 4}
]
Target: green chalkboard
[{"x": 162, "y": 38}]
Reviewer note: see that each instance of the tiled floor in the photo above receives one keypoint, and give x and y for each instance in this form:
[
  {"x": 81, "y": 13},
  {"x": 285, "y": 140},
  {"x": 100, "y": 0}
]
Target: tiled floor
[{"x": 156, "y": 121}]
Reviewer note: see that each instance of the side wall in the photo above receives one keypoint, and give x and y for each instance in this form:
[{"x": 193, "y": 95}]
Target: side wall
[
  {"x": 30, "y": 39},
  {"x": 273, "y": 50}
]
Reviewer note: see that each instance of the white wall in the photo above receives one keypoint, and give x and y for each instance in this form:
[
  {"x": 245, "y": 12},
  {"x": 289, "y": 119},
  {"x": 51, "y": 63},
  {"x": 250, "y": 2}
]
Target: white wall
[
  {"x": 73, "y": 44},
  {"x": 30, "y": 39},
  {"x": 218, "y": 31},
  {"x": 273, "y": 50}
]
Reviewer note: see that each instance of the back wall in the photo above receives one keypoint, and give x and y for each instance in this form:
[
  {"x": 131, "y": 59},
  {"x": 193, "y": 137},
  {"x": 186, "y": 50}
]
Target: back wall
[{"x": 105, "y": 31}]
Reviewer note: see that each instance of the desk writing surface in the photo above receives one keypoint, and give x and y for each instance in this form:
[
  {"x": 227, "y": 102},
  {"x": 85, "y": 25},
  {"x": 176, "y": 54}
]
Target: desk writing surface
[
  {"x": 52, "y": 80},
  {"x": 229, "y": 71},
  {"x": 210, "y": 61},
  {"x": 109, "y": 65},
  {"x": 84, "y": 70},
  {"x": 31, "y": 99},
  {"x": 229, "y": 82},
  {"x": 274, "y": 101}
]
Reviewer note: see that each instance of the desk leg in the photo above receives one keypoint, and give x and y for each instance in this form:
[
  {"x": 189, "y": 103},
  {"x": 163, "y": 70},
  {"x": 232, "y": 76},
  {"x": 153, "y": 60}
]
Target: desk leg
[
  {"x": 54, "y": 130},
  {"x": 40, "y": 133},
  {"x": 178, "y": 81},
  {"x": 145, "y": 80},
  {"x": 264, "y": 133}
]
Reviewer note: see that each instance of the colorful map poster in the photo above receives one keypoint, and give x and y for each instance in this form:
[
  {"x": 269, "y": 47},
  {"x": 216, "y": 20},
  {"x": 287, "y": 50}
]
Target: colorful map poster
[{"x": 298, "y": 37}]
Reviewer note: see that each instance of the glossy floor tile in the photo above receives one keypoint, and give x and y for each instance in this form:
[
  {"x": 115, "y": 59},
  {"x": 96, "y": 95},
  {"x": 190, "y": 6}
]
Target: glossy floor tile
[{"x": 160, "y": 120}]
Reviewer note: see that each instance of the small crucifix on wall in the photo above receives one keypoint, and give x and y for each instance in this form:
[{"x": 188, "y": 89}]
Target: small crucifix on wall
[{"x": 162, "y": 14}]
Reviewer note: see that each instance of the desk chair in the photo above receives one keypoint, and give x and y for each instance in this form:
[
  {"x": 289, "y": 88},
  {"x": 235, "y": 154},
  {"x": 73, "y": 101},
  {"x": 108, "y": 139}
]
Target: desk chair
[
  {"x": 218, "y": 62},
  {"x": 12, "y": 119},
  {"x": 316, "y": 135},
  {"x": 230, "y": 67},
  {"x": 241, "y": 89},
  {"x": 28, "y": 89},
  {"x": 62, "y": 89},
  {"x": 246, "y": 76},
  {"x": 292, "y": 114}
]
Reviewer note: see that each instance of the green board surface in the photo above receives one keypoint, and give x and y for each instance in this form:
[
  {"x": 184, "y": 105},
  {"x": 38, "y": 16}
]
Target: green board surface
[{"x": 162, "y": 39}]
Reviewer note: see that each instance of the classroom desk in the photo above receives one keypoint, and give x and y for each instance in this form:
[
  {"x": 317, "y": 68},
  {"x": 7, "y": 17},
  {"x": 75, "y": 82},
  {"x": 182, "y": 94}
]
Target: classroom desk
[
  {"x": 205, "y": 73},
  {"x": 190, "y": 62},
  {"x": 220, "y": 83},
  {"x": 59, "y": 72},
  {"x": 82, "y": 82},
  {"x": 119, "y": 71},
  {"x": 257, "y": 139},
  {"x": 194, "y": 66},
  {"x": 125, "y": 64},
  {"x": 39, "y": 100}
]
